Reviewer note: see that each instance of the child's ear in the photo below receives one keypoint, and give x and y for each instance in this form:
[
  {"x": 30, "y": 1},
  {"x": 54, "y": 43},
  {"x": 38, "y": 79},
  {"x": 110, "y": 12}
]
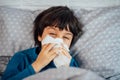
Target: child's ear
[{"x": 39, "y": 38}]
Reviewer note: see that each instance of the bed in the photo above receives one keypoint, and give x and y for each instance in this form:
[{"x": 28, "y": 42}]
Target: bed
[{"x": 98, "y": 48}]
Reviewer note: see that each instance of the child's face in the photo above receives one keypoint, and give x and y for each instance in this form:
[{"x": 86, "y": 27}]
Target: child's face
[{"x": 55, "y": 32}]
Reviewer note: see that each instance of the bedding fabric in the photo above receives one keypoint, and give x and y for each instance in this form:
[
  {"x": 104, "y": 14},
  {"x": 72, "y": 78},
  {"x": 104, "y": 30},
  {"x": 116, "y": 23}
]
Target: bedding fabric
[
  {"x": 15, "y": 30},
  {"x": 65, "y": 73},
  {"x": 99, "y": 46},
  {"x": 15, "y": 33}
]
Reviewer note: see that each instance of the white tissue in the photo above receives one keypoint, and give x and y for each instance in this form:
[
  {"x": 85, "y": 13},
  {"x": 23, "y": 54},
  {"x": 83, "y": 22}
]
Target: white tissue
[{"x": 61, "y": 59}]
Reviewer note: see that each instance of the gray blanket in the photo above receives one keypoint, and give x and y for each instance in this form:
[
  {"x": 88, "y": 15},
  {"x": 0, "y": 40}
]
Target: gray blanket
[{"x": 65, "y": 73}]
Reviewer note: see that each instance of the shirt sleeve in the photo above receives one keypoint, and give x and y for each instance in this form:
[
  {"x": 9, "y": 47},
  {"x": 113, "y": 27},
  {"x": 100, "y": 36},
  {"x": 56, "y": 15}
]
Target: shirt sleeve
[
  {"x": 73, "y": 63},
  {"x": 13, "y": 70}
]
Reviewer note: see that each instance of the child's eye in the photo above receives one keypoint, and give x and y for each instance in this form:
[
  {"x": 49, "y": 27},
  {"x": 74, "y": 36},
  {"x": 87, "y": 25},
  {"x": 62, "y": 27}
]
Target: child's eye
[
  {"x": 66, "y": 38},
  {"x": 52, "y": 33}
]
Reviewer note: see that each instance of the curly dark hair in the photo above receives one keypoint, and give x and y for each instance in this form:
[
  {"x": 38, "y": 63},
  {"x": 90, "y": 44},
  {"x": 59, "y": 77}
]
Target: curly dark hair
[{"x": 59, "y": 16}]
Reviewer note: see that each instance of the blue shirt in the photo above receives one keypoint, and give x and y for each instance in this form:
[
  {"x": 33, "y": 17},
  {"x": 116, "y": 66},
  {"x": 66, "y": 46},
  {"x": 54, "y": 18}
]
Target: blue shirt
[{"x": 20, "y": 66}]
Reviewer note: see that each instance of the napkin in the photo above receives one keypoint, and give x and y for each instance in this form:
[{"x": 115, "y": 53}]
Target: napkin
[{"x": 61, "y": 59}]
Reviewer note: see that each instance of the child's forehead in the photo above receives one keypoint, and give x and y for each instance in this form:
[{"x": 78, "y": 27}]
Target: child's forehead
[{"x": 57, "y": 27}]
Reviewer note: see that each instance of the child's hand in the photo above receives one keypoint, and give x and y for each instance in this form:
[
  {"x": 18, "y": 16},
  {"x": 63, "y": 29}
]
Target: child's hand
[
  {"x": 63, "y": 58},
  {"x": 65, "y": 52},
  {"x": 46, "y": 55}
]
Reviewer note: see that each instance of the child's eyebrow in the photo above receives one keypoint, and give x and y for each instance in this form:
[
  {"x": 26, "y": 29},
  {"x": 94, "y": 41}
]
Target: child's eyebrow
[{"x": 68, "y": 33}]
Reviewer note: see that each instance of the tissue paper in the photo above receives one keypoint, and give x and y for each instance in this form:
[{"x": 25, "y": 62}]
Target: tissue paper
[{"x": 61, "y": 59}]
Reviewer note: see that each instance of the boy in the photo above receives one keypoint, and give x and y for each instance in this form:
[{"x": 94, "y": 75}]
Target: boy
[{"x": 56, "y": 22}]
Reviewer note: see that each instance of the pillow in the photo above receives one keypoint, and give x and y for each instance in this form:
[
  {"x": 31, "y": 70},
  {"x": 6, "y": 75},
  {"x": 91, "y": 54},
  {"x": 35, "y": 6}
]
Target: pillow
[
  {"x": 99, "y": 47},
  {"x": 15, "y": 30},
  {"x": 15, "y": 33},
  {"x": 3, "y": 62}
]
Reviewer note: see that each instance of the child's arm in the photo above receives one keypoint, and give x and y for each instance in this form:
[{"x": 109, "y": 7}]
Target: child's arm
[{"x": 15, "y": 69}]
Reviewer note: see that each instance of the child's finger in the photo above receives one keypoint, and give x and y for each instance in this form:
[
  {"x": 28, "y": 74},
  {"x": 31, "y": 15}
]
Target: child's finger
[
  {"x": 53, "y": 56},
  {"x": 66, "y": 53},
  {"x": 48, "y": 47},
  {"x": 53, "y": 51}
]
